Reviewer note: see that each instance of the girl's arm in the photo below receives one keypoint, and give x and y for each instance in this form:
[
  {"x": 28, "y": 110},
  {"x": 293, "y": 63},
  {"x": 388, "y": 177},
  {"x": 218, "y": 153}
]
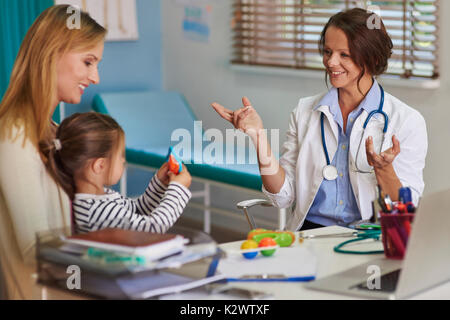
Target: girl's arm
[
  {"x": 166, "y": 213},
  {"x": 172, "y": 202},
  {"x": 156, "y": 210},
  {"x": 152, "y": 196}
]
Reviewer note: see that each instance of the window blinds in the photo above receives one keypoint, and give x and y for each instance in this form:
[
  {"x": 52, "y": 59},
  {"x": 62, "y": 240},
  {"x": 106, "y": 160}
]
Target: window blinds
[{"x": 285, "y": 33}]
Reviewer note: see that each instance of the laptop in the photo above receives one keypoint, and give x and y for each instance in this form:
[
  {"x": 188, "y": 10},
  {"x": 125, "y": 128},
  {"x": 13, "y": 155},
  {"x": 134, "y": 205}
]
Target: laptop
[{"x": 426, "y": 263}]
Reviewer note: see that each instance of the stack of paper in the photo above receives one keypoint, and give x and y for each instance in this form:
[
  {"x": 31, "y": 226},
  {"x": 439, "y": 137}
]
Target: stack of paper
[{"x": 195, "y": 265}]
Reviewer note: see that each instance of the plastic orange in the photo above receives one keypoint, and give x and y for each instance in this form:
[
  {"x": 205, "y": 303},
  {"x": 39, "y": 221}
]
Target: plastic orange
[{"x": 267, "y": 242}]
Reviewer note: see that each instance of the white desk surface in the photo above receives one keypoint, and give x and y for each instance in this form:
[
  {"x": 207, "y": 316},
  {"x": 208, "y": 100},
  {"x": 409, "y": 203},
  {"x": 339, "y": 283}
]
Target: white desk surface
[{"x": 328, "y": 261}]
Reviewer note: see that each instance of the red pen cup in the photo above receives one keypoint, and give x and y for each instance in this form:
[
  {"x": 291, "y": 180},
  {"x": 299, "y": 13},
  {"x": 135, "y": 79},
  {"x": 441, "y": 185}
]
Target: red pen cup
[{"x": 395, "y": 229}]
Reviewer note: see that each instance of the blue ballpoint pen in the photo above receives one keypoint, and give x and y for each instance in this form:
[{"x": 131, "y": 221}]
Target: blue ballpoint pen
[{"x": 270, "y": 278}]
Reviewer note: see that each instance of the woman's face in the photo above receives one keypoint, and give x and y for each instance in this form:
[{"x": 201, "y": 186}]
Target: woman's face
[
  {"x": 76, "y": 71},
  {"x": 342, "y": 71}
]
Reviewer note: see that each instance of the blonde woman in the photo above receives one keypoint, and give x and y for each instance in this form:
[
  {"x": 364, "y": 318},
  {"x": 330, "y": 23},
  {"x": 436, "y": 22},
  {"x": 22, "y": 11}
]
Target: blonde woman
[{"x": 54, "y": 64}]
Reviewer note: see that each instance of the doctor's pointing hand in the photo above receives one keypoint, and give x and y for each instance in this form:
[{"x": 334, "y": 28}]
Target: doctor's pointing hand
[
  {"x": 243, "y": 119},
  {"x": 343, "y": 143},
  {"x": 248, "y": 121}
]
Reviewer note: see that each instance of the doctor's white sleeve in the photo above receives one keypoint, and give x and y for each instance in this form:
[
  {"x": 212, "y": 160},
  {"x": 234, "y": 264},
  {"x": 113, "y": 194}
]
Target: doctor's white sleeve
[
  {"x": 286, "y": 196},
  {"x": 410, "y": 162}
]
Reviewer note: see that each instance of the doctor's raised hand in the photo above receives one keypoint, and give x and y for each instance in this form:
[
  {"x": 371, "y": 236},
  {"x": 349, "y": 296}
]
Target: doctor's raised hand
[
  {"x": 382, "y": 165},
  {"x": 245, "y": 119},
  {"x": 385, "y": 158},
  {"x": 248, "y": 121}
]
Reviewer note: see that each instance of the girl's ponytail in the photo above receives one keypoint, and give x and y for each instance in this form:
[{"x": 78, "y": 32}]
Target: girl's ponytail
[
  {"x": 80, "y": 138},
  {"x": 55, "y": 166}
]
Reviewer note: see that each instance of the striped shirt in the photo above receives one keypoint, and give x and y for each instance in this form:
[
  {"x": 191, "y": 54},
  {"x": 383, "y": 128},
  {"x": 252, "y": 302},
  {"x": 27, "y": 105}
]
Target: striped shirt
[{"x": 156, "y": 210}]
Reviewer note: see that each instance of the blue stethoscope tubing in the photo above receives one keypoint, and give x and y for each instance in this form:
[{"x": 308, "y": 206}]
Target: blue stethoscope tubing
[{"x": 371, "y": 114}]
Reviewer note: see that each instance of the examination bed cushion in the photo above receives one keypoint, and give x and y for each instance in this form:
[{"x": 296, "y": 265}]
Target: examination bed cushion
[{"x": 149, "y": 119}]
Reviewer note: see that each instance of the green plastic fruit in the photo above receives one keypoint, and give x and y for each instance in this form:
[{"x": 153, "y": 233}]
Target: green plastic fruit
[{"x": 284, "y": 239}]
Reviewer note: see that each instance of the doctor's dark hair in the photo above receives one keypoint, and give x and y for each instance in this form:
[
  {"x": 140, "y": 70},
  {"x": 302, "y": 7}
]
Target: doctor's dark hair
[
  {"x": 370, "y": 49},
  {"x": 80, "y": 138}
]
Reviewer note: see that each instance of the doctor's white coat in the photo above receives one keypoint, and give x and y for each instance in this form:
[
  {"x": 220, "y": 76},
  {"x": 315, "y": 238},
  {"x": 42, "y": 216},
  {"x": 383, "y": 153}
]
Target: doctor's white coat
[{"x": 303, "y": 156}]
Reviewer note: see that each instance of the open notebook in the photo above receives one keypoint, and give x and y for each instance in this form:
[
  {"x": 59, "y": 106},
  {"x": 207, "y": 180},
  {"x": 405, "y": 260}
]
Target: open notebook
[{"x": 152, "y": 246}]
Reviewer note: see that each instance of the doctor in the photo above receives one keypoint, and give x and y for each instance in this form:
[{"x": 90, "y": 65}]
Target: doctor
[{"x": 336, "y": 151}]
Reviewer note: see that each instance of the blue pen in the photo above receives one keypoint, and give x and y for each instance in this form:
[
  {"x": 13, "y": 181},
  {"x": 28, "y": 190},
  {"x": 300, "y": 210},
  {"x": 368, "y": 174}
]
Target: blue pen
[
  {"x": 404, "y": 196},
  {"x": 268, "y": 279}
]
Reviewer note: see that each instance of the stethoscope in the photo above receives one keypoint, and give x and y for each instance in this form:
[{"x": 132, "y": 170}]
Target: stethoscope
[
  {"x": 360, "y": 236},
  {"x": 330, "y": 172},
  {"x": 356, "y": 235}
]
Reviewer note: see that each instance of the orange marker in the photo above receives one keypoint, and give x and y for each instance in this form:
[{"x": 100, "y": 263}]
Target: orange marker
[{"x": 175, "y": 163}]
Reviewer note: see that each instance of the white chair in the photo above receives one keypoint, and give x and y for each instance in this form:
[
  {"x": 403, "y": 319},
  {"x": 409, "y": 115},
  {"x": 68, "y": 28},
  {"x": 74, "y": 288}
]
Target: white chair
[{"x": 247, "y": 204}]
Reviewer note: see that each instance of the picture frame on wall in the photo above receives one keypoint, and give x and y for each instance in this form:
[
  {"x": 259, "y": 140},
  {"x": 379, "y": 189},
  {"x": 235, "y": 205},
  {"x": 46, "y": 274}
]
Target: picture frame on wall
[{"x": 119, "y": 17}]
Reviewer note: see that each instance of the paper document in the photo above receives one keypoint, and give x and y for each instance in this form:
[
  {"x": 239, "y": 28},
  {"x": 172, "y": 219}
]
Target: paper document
[
  {"x": 162, "y": 283},
  {"x": 290, "y": 262}
]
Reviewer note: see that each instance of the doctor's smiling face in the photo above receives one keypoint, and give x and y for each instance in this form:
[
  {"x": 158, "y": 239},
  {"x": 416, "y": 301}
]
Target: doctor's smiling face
[
  {"x": 352, "y": 52},
  {"x": 342, "y": 70},
  {"x": 76, "y": 70}
]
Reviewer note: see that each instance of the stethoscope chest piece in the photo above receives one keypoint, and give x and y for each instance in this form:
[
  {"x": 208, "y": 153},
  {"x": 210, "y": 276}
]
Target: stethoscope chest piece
[{"x": 330, "y": 172}]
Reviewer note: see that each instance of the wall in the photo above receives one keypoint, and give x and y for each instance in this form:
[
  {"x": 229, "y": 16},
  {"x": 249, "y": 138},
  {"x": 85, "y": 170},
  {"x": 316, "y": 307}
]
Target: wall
[{"x": 130, "y": 65}]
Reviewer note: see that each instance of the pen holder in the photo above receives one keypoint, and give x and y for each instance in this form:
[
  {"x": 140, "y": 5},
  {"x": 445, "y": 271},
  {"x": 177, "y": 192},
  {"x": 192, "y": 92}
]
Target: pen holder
[{"x": 395, "y": 229}]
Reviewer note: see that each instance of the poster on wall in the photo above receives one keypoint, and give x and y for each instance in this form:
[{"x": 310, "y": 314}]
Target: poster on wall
[
  {"x": 197, "y": 22},
  {"x": 193, "y": 2},
  {"x": 119, "y": 17}
]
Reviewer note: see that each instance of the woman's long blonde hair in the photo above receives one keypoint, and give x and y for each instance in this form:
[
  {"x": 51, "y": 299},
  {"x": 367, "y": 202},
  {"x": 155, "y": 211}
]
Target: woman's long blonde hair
[{"x": 28, "y": 101}]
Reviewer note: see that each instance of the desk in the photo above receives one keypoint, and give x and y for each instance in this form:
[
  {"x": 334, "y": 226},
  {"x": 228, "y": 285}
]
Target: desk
[{"x": 329, "y": 263}]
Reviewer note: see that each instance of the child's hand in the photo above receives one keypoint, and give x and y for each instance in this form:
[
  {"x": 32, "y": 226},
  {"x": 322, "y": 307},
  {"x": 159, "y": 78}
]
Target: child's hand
[
  {"x": 162, "y": 174},
  {"x": 184, "y": 177}
]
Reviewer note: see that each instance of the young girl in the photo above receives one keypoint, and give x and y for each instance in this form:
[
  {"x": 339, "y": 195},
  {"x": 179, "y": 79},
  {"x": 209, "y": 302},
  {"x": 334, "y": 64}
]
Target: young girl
[{"x": 89, "y": 154}]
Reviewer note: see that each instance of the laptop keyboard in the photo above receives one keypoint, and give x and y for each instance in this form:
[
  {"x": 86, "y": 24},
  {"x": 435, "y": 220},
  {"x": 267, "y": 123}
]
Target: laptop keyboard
[{"x": 388, "y": 282}]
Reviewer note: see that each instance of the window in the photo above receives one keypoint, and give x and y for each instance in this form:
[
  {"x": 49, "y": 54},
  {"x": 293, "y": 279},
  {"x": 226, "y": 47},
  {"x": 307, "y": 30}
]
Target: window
[{"x": 285, "y": 33}]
